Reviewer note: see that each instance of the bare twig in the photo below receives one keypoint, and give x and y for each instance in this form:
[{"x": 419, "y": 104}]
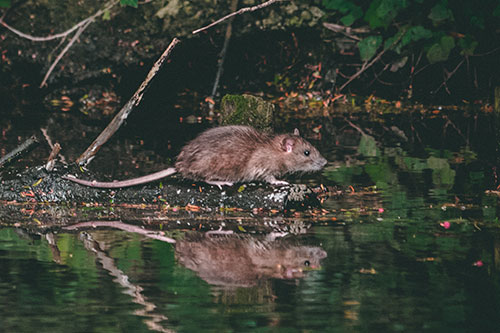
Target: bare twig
[
  {"x": 79, "y": 27},
  {"x": 121, "y": 116},
  {"x": 448, "y": 76},
  {"x": 222, "y": 55},
  {"x": 16, "y": 153},
  {"x": 238, "y": 12},
  {"x": 347, "y": 31},
  {"x": 49, "y": 142},
  {"x": 51, "y": 161},
  {"x": 63, "y": 52},
  {"x": 367, "y": 64},
  {"x": 62, "y": 34}
]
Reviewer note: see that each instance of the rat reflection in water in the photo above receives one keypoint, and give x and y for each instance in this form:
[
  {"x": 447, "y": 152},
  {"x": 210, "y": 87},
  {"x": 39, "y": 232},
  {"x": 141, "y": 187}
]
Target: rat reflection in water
[{"x": 242, "y": 261}]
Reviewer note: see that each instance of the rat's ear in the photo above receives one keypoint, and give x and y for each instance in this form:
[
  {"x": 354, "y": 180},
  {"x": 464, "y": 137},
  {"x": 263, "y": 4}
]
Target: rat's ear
[
  {"x": 287, "y": 144},
  {"x": 296, "y": 132}
]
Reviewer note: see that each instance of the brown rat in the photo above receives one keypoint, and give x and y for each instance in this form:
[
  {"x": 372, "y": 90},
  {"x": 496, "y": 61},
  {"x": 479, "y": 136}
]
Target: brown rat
[
  {"x": 229, "y": 154},
  {"x": 243, "y": 260}
]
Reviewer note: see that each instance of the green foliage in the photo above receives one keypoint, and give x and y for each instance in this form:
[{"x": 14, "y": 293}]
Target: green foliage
[
  {"x": 368, "y": 47},
  {"x": 440, "y": 27},
  {"x": 131, "y": 3},
  {"x": 4, "y": 3},
  {"x": 352, "y": 12},
  {"x": 440, "y": 51},
  {"x": 440, "y": 12}
]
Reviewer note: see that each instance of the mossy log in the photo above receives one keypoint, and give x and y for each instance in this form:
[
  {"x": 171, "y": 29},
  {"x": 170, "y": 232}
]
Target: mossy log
[{"x": 36, "y": 185}]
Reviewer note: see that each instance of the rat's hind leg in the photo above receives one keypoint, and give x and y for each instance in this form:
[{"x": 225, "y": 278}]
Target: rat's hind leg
[
  {"x": 218, "y": 183},
  {"x": 274, "y": 181}
]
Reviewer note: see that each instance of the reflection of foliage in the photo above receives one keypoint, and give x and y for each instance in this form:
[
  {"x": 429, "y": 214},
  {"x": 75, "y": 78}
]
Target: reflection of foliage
[
  {"x": 384, "y": 170},
  {"x": 343, "y": 174},
  {"x": 442, "y": 174},
  {"x": 368, "y": 146}
]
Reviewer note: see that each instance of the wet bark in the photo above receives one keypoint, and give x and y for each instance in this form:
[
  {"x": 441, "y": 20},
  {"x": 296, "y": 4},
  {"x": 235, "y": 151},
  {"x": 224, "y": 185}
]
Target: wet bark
[{"x": 36, "y": 185}]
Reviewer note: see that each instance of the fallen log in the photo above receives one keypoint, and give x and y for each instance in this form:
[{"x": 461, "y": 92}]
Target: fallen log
[{"x": 37, "y": 185}]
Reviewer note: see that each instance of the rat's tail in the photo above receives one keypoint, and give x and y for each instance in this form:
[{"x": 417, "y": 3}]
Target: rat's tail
[{"x": 124, "y": 183}]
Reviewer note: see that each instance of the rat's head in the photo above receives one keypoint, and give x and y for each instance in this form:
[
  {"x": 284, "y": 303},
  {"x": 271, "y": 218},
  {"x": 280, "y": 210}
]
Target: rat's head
[{"x": 300, "y": 155}]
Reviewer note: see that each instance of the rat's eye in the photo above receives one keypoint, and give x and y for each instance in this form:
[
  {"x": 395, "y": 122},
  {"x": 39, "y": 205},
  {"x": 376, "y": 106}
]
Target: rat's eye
[
  {"x": 307, "y": 263},
  {"x": 306, "y": 152}
]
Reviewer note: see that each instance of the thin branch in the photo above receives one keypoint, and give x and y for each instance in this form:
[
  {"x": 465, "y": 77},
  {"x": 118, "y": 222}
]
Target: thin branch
[
  {"x": 63, "y": 52},
  {"x": 222, "y": 55},
  {"x": 51, "y": 161},
  {"x": 51, "y": 145},
  {"x": 238, "y": 12},
  {"x": 346, "y": 31},
  {"x": 448, "y": 76},
  {"x": 121, "y": 116},
  {"x": 367, "y": 65},
  {"x": 62, "y": 34},
  {"x": 18, "y": 151}
]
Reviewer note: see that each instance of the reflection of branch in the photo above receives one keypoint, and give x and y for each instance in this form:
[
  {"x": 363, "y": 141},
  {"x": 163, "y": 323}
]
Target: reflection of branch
[
  {"x": 238, "y": 12},
  {"x": 135, "y": 291},
  {"x": 449, "y": 122},
  {"x": 355, "y": 127},
  {"x": 122, "y": 226}
]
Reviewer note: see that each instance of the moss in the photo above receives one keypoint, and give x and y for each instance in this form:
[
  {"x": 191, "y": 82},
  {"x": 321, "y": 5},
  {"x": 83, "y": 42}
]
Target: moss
[{"x": 246, "y": 110}]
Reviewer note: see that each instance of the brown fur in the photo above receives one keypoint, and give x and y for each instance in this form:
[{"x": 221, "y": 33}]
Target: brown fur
[
  {"x": 241, "y": 153},
  {"x": 234, "y": 154}
]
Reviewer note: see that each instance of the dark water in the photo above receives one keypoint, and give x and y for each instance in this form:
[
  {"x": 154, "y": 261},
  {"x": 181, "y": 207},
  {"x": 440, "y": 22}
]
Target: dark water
[{"x": 415, "y": 248}]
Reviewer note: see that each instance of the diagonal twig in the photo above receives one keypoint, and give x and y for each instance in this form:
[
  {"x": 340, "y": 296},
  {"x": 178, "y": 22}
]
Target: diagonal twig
[
  {"x": 121, "y": 116},
  {"x": 238, "y": 12},
  {"x": 62, "y": 34},
  {"x": 367, "y": 64},
  {"x": 63, "y": 52}
]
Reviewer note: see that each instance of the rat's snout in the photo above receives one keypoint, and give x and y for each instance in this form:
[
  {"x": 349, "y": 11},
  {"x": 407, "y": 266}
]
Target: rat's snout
[{"x": 322, "y": 161}]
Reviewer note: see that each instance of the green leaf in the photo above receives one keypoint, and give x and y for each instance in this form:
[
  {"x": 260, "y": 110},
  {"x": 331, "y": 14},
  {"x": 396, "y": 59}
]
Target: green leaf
[
  {"x": 340, "y": 5},
  {"x": 436, "y": 54},
  {"x": 371, "y": 15},
  {"x": 418, "y": 32},
  {"x": 5, "y": 3},
  {"x": 107, "y": 15},
  {"x": 349, "y": 19},
  {"x": 440, "y": 51},
  {"x": 477, "y": 22},
  {"x": 388, "y": 43},
  {"x": 382, "y": 12},
  {"x": 131, "y": 3},
  {"x": 468, "y": 45},
  {"x": 368, "y": 47},
  {"x": 440, "y": 12},
  {"x": 496, "y": 12},
  {"x": 447, "y": 43}
]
